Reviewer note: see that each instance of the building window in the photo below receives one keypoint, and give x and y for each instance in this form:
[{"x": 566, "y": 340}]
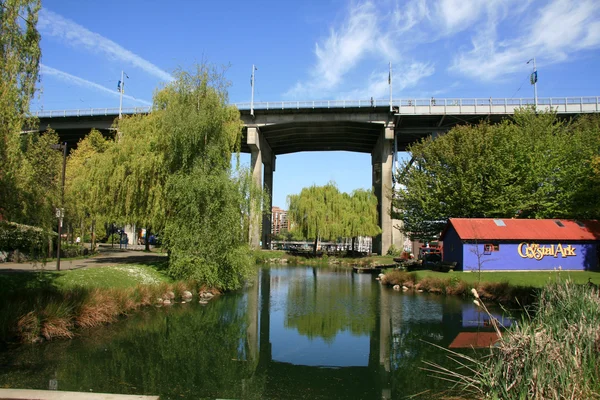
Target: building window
[{"x": 488, "y": 248}]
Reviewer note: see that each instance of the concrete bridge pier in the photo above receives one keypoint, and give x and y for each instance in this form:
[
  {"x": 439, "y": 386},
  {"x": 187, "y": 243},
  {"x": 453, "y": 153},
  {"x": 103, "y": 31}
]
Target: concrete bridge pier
[
  {"x": 261, "y": 155},
  {"x": 382, "y": 164}
]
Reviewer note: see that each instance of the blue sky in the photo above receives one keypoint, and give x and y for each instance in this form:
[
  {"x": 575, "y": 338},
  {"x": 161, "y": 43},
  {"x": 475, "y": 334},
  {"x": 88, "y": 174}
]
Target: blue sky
[{"x": 327, "y": 49}]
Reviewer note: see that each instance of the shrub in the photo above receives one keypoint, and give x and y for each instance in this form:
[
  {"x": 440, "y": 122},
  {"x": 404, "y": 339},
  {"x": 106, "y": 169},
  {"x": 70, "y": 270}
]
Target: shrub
[
  {"x": 29, "y": 240},
  {"x": 393, "y": 251}
]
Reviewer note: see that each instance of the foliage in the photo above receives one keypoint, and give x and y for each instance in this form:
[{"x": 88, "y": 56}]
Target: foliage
[
  {"x": 534, "y": 166},
  {"x": 393, "y": 251},
  {"x": 204, "y": 234},
  {"x": 550, "y": 355},
  {"x": 322, "y": 212},
  {"x": 29, "y": 240},
  {"x": 82, "y": 194},
  {"x": 170, "y": 171},
  {"x": 28, "y": 183}
]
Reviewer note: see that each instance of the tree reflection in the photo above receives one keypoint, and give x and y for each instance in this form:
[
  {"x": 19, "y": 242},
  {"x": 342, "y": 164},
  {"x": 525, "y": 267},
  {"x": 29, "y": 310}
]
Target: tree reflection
[{"x": 324, "y": 305}]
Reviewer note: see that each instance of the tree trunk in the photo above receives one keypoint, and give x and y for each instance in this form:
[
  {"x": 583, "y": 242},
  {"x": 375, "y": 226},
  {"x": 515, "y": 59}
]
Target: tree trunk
[
  {"x": 93, "y": 238},
  {"x": 353, "y": 243},
  {"x": 147, "y": 241},
  {"x": 315, "y": 245}
]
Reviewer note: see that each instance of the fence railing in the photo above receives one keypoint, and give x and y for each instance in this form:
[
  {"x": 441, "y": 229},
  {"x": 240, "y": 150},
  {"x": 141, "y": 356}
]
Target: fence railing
[{"x": 409, "y": 106}]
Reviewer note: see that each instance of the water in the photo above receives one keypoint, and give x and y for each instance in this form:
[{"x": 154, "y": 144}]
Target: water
[{"x": 297, "y": 333}]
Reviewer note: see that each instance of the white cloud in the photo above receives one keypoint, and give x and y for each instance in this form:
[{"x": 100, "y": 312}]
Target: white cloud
[
  {"x": 73, "y": 34},
  {"x": 359, "y": 37},
  {"x": 556, "y": 32},
  {"x": 46, "y": 70}
]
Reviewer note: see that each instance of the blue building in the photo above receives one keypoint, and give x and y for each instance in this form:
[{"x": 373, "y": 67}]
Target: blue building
[{"x": 521, "y": 244}]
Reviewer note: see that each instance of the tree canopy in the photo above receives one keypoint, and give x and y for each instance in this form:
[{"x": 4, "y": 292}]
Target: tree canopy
[
  {"x": 171, "y": 170},
  {"x": 531, "y": 166},
  {"x": 323, "y": 212},
  {"x": 29, "y": 168}
]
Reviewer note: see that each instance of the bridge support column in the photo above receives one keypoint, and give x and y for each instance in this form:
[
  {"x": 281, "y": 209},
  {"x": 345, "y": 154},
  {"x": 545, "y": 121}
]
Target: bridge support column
[
  {"x": 260, "y": 154},
  {"x": 269, "y": 166},
  {"x": 382, "y": 162}
]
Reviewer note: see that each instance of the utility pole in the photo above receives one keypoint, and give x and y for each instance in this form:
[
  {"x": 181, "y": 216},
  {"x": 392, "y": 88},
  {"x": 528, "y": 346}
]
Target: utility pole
[
  {"x": 60, "y": 212},
  {"x": 390, "y": 83},
  {"x": 121, "y": 89},
  {"x": 533, "y": 79},
  {"x": 252, "y": 95}
]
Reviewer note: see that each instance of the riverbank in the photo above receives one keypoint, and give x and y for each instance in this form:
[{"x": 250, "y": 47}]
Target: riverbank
[
  {"x": 46, "y": 305},
  {"x": 507, "y": 288}
]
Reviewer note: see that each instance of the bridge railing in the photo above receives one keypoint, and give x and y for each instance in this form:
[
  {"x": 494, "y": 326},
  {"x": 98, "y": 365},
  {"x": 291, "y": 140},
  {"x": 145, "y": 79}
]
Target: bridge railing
[{"x": 402, "y": 106}]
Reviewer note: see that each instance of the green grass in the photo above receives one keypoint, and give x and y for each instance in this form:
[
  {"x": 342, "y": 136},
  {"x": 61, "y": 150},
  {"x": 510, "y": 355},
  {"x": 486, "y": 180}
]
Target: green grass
[
  {"x": 533, "y": 279},
  {"x": 118, "y": 276}
]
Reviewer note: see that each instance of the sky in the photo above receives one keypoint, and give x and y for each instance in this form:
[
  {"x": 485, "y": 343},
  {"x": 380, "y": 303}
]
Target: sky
[{"x": 318, "y": 50}]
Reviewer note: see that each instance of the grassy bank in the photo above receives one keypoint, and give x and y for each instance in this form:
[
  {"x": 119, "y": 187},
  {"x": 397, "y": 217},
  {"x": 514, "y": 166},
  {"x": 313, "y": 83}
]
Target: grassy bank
[
  {"x": 553, "y": 353},
  {"x": 49, "y": 304}
]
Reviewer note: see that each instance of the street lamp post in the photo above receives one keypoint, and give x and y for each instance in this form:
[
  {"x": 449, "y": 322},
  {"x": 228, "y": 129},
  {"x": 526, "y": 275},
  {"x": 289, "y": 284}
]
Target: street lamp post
[
  {"x": 533, "y": 81},
  {"x": 252, "y": 95},
  {"x": 60, "y": 212}
]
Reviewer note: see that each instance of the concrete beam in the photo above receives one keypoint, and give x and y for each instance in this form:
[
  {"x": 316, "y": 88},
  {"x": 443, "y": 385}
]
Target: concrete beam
[{"x": 351, "y": 116}]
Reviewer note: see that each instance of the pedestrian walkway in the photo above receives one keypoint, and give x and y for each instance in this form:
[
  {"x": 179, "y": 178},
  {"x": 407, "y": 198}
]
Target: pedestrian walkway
[
  {"x": 27, "y": 394},
  {"x": 107, "y": 256}
]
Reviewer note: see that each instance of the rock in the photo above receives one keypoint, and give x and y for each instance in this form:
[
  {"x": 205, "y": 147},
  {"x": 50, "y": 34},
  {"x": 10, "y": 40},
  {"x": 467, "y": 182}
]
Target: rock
[
  {"x": 186, "y": 295},
  {"x": 396, "y": 287},
  {"x": 158, "y": 301},
  {"x": 206, "y": 295},
  {"x": 380, "y": 276},
  {"x": 167, "y": 302},
  {"x": 420, "y": 290},
  {"x": 203, "y": 302},
  {"x": 404, "y": 288},
  {"x": 170, "y": 295}
]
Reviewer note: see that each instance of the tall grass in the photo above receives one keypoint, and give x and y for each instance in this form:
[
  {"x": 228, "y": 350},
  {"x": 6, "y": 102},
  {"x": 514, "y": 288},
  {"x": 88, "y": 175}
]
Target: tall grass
[
  {"x": 553, "y": 353},
  {"x": 50, "y": 313}
]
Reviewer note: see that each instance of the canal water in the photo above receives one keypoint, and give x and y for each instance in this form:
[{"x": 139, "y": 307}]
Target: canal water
[{"x": 296, "y": 333}]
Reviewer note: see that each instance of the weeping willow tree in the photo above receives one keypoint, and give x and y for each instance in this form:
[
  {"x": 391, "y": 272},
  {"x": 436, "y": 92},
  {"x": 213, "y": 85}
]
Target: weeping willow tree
[
  {"x": 171, "y": 170},
  {"x": 29, "y": 168},
  {"x": 84, "y": 208},
  {"x": 323, "y": 212},
  {"x": 317, "y": 212},
  {"x": 361, "y": 216}
]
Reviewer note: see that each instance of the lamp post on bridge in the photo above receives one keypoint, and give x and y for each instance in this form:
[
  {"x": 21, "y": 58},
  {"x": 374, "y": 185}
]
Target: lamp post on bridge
[
  {"x": 252, "y": 95},
  {"x": 533, "y": 79},
  {"x": 60, "y": 212},
  {"x": 121, "y": 89}
]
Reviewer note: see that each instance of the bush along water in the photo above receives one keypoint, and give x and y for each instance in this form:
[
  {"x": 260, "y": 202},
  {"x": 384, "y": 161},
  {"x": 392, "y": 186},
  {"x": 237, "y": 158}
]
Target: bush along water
[{"x": 553, "y": 353}]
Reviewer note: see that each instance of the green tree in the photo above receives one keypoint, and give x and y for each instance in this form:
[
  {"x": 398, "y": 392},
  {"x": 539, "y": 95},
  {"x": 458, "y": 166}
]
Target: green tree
[
  {"x": 361, "y": 217},
  {"x": 82, "y": 196},
  {"x": 19, "y": 65},
  {"x": 171, "y": 170},
  {"x": 533, "y": 166}
]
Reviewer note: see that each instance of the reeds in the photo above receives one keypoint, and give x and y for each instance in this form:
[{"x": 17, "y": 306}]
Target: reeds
[
  {"x": 552, "y": 354},
  {"x": 47, "y": 314}
]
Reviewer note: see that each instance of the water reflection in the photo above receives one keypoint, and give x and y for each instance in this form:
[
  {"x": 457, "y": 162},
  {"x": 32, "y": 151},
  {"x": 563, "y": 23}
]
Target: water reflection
[{"x": 296, "y": 333}]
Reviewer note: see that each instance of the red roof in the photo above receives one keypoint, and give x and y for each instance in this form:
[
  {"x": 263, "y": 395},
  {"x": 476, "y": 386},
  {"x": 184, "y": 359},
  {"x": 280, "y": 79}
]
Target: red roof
[{"x": 524, "y": 229}]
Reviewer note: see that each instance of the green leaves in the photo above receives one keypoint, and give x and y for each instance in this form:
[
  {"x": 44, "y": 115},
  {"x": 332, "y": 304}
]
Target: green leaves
[
  {"x": 323, "y": 212},
  {"x": 535, "y": 166}
]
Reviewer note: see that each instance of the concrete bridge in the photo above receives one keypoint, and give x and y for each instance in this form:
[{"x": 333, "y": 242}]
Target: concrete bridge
[{"x": 365, "y": 126}]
